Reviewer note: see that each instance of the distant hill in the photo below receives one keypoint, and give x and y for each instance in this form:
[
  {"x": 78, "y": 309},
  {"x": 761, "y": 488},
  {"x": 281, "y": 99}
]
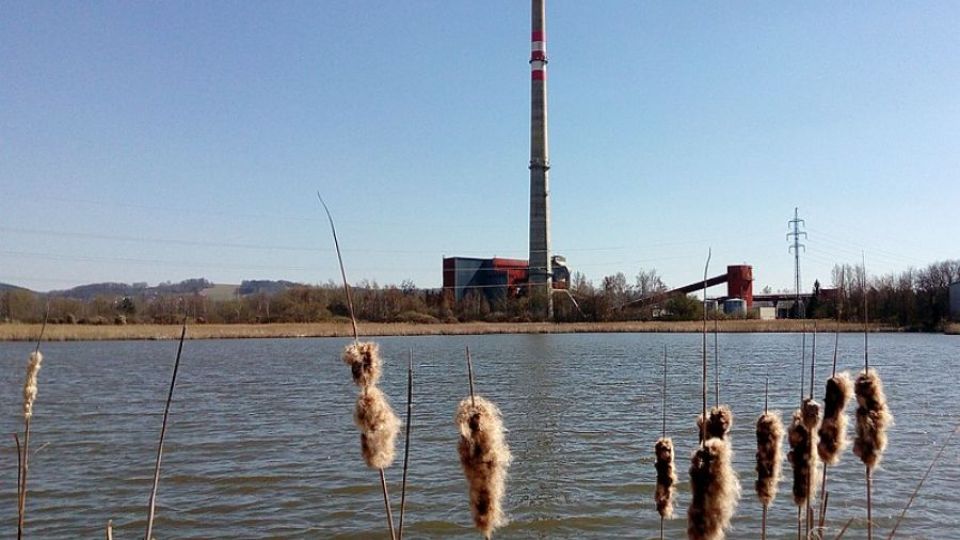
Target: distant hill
[
  {"x": 188, "y": 286},
  {"x": 110, "y": 289},
  {"x": 202, "y": 286},
  {"x": 264, "y": 286},
  {"x": 4, "y": 287}
]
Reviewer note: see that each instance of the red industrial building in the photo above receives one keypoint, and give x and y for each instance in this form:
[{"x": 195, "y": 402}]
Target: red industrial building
[{"x": 496, "y": 278}]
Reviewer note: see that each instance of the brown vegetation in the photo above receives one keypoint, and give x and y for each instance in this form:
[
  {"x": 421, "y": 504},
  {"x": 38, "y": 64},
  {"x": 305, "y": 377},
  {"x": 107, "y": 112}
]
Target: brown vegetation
[
  {"x": 715, "y": 491},
  {"x": 833, "y": 429},
  {"x": 769, "y": 456},
  {"x": 485, "y": 457},
  {"x": 342, "y": 328},
  {"x": 803, "y": 455},
  {"x": 666, "y": 477}
]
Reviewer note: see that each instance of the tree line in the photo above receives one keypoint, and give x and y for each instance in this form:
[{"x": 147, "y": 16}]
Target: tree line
[{"x": 916, "y": 299}]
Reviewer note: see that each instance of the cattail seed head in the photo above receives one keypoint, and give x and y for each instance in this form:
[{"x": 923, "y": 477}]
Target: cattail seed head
[
  {"x": 378, "y": 428},
  {"x": 666, "y": 477},
  {"x": 719, "y": 422},
  {"x": 833, "y": 429},
  {"x": 485, "y": 458},
  {"x": 873, "y": 419},
  {"x": 803, "y": 443},
  {"x": 715, "y": 491},
  {"x": 769, "y": 456},
  {"x": 364, "y": 361},
  {"x": 30, "y": 385}
]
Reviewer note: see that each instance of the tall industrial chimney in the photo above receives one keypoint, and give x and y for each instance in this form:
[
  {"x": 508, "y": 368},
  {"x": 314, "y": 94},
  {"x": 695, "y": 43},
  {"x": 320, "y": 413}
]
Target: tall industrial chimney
[{"x": 540, "y": 270}]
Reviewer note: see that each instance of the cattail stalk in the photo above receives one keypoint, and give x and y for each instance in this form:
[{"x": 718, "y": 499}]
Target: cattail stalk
[
  {"x": 484, "y": 457},
  {"x": 713, "y": 482},
  {"x": 152, "y": 504},
  {"x": 833, "y": 428},
  {"x": 873, "y": 415},
  {"x": 803, "y": 455},
  {"x": 666, "y": 473},
  {"x": 873, "y": 419},
  {"x": 373, "y": 415},
  {"x": 23, "y": 454},
  {"x": 769, "y": 459},
  {"x": 406, "y": 443}
]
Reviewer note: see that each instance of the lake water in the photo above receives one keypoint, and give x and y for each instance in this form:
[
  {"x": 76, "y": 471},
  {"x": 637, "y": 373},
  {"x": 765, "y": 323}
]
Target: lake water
[{"x": 261, "y": 442}]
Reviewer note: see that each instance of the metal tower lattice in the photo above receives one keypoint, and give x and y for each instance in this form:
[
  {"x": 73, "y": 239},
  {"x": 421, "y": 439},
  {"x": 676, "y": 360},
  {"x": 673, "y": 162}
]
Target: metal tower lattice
[{"x": 796, "y": 224}]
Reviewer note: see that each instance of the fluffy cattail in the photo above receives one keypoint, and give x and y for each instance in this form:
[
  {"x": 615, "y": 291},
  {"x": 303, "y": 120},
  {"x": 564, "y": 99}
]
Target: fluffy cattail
[
  {"x": 485, "y": 457},
  {"x": 715, "y": 491},
  {"x": 364, "y": 361},
  {"x": 30, "y": 385},
  {"x": 719, "y": 422},
  {"x": 378, "y": 428},
  {"x": 769, "y": 457},
  {"x": 803, "y": 442},
  {"x": 833, "y": 429},
  {"x": 666, "y": 477},
  {"x": 873, "y": 419}
]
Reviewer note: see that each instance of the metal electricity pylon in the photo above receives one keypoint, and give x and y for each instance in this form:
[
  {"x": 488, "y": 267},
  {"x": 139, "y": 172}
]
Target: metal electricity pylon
[{"x": 796, "y": 224}]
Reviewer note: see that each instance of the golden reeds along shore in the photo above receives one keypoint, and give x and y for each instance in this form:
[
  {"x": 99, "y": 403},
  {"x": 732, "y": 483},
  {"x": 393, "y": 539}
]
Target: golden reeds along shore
[{"x": 85, "y": 332}]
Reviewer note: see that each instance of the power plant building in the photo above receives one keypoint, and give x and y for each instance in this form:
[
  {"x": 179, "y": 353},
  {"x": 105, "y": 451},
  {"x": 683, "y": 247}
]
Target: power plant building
[{"x": 497, "y": 278}]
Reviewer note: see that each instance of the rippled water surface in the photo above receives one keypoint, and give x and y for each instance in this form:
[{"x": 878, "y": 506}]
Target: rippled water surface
[{"x": 262, "y": 444}]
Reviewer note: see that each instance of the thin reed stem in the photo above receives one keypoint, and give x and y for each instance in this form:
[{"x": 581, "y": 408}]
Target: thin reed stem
[
  {"x": 24, "y": 459},
  {"x": 866, "y": 370},
  {"x": 406, "y": 443},
  {"x": 343, "y": 273},
  {"x": 821, "y": 525},
  {"x": 110, "y": 529},
  {"x": 803, "y": 361},
  {"x": 664, "y": 407},
  {"x": 844, "y": 529},
  {"x": 866, "y": 354},
  {"x": 43, "y": 327},
  {"x": 869, "y": 503},
  {"x": 766, "y": 394},
  {"x": 822, "y": 518},
  {"x": 473, "y": 400},
  {"x": 716, "y": 358},
  {"x": 813, "y": 359},
  {"x": 151, "y": 508},
  {"x": 799, "y": 523},
  {"x": 763, "y": 524},
  {"x": 923, "y": 479},
  {"x": 16, "y": 439},
  {"x": 703, "y": 428},
  {"x": 836, "y": 334},
  {"x": 22, "y": 501},
  {"x": 386, "y": 504}
]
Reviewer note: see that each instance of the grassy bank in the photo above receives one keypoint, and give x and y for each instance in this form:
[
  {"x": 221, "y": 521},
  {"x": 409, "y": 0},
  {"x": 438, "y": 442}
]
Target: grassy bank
[
  {"x": 79, "y": 332},
  {"x": 952, "y": 329}
]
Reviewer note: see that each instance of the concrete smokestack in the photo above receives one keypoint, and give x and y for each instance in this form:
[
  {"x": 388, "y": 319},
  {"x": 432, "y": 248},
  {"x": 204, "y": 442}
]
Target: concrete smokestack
[{"x": 540, "y": 270}]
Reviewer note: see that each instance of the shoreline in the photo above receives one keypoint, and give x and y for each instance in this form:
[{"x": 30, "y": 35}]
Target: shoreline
[{"x": 79, "y": 332}]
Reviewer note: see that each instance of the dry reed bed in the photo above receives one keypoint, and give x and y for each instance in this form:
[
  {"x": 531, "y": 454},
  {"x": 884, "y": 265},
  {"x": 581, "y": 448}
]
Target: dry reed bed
[{"x": 79, "y": 332}]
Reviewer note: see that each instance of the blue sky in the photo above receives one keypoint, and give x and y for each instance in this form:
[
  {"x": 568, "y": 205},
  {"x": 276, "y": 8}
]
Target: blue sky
[{"x": 161, "y": 141}]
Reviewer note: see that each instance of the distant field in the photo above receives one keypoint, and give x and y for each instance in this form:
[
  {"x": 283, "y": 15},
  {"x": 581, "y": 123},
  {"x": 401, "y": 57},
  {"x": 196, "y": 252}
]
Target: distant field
[
  {"x": 78, "y": 332},
  {"x": 221, "y": 292}
]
